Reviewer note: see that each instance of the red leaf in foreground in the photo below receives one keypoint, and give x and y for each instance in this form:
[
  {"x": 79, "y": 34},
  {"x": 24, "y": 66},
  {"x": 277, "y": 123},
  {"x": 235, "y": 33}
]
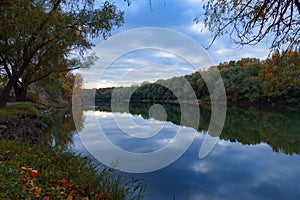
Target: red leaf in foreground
[
  {"x": 65, "y": 182},
  {"x": 34, "y": 173}
]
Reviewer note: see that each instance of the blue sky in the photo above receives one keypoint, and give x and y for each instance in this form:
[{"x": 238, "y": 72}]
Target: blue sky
[{"x": 176, "y": 15}]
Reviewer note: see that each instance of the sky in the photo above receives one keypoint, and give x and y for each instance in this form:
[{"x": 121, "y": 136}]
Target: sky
[{"x": 139, "y": 65}]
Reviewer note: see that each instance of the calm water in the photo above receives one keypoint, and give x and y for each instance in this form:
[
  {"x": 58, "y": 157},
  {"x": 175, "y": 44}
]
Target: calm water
[{"x": 256, "y": 157}]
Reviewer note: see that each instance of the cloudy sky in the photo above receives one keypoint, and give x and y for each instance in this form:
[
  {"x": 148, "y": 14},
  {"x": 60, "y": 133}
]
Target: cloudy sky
[{"x": 160, "y": 62}]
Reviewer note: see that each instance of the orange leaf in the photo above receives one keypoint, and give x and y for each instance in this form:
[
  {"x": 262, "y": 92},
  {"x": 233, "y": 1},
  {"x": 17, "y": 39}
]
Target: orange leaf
[
  {"x": 24, "y": 188},
  {"x": 46, "y": 198},
  {"x": 37, "y": 191},
  {"x": 70, "y": 197},
  {"x": 65, "y": 182}
]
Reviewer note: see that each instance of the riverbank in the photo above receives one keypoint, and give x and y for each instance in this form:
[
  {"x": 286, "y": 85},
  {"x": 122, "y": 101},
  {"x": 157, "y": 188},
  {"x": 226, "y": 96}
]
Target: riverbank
[
  {"x": 31, "y": 169},
  {"x": 31, "y": 172},
  {"x": 24, "y": 121}
]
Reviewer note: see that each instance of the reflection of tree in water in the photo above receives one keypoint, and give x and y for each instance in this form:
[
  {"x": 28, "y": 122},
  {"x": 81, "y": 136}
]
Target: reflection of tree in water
[
  {"x": 61, "y": 133},
  {"x": 277, "y": 126}
]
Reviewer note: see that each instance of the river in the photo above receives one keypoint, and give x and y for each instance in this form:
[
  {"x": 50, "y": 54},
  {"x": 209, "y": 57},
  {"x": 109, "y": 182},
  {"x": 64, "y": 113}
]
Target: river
[{"x": 256, "y": 156}]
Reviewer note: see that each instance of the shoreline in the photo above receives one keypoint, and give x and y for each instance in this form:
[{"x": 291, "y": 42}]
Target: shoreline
[{"x": 201, "y": 102}]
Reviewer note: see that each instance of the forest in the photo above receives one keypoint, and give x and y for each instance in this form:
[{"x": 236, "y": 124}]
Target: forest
[{"x": 274, "y": 80}]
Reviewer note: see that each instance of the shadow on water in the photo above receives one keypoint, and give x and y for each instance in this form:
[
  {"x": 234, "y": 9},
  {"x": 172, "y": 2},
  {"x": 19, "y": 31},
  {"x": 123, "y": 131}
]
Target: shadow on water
[
  {"x": 61, "y": 133},
  {"x": 278, "y": 126}
]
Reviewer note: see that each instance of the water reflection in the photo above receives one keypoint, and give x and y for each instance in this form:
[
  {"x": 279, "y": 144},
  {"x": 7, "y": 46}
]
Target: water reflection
[
  {"x": 241, "y": 166},
  {"x": 61, "y": 133},
  {"x": 277, "y": 126},
  {"x": 231, "y": 171}
]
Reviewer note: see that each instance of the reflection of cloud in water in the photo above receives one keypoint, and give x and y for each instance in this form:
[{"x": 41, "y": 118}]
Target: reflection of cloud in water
[
  {"x": 107, "y": 142},
  {"x": 117, "y": 136},
  {"x": 231, "y": 171}
]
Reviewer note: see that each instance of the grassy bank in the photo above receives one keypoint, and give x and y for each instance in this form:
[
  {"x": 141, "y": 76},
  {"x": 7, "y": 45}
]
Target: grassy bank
[
  {"x": 23, "y": 121},
  {"x": 19, "y": 109},
  {"x": 32, "y": 170}
]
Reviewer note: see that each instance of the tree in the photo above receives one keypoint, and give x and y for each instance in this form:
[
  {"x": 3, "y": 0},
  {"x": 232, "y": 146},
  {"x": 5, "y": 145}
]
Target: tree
[
  {"x": 250, "y": 22},
  {"x": 38, "y": 38}
]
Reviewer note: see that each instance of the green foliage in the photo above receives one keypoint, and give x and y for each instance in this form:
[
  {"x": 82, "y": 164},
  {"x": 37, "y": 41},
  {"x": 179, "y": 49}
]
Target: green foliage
[
  {"x": 58, "y": 86},
  {"x": 32, "y": 172},
  {"x": 19, "y": 109},
  {"x": 39, "y": 38},
  {"x": 275, "y": 80},
  {"x": 47, "y": 119},
  {"x": 104, "y": 94}
]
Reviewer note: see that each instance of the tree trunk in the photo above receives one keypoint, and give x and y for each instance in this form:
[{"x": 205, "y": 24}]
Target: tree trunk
[
  {"x": 12, "y": 81},
  {"x": 21, "y": 92},
  {"x": 5, "y": 93}
]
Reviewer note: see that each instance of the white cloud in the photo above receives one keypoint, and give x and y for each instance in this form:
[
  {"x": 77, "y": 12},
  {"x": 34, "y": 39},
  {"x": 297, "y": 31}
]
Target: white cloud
[
  {"x": 201, "y": 167},
  {"x": 198, "y": 28},
  {"x": 164, "y": 54},
  {"x": 224, "y": 52}
]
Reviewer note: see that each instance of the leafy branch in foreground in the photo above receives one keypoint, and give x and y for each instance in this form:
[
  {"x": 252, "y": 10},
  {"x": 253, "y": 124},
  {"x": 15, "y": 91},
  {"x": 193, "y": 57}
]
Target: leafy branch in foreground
[{"x": 250, "y": 22}]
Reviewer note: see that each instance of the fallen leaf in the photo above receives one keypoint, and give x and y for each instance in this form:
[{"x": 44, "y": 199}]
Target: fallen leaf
[
  {"x": 54, "y": 181},
  {"x": 65, "y": 182},
  {"x": 34, "y": 173},
  {"x": 24, "y": 188},
  {"x": 46, "y": 198},
  {"x": 37, "y": 191},
  {"x": 70, "y": 197}
]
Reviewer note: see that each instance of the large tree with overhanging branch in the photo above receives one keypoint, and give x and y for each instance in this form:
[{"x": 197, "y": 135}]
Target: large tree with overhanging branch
[
  {"x": 249, "y": 22},
  {"x": 38, "y": 38}
]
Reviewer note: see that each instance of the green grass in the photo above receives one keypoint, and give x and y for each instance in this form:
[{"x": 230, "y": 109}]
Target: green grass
[
  {"x": 42, "y": 172},
  {"x": 19, "y": 109}
]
